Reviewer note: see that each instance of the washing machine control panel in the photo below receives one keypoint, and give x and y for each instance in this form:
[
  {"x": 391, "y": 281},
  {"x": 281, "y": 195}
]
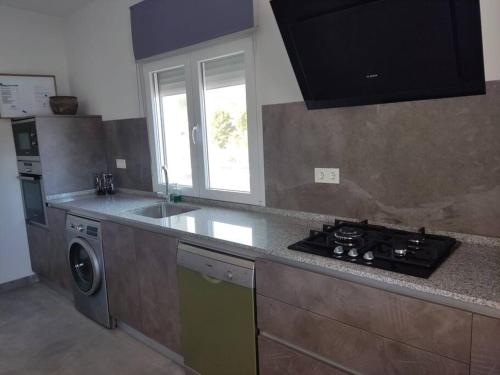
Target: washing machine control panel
[{"x": 83, "y": 226}]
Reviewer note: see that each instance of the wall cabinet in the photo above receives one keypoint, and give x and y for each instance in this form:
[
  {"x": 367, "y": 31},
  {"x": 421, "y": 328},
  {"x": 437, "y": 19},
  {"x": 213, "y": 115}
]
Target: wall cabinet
[
  {"x": 359, "y": 328},
  {"x": 141, "y": 273}
]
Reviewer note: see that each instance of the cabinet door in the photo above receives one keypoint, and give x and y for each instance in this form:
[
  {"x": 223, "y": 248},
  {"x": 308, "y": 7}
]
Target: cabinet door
[
  {"x": 60, "y": 273},
  {"x": 435, "y": 328},
  {"x": 485, "y": 357},
  {"x": 121, "y": 274},
  {"x": 156, "y": 256},
  {"x": 278, "y": 359},
  {"x": 349, "y": 347},
  {"x": 38, "y": 240}
]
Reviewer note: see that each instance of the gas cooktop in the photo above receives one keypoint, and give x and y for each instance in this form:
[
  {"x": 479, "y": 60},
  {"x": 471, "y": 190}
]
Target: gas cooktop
[{"x": 411, "y": 253}]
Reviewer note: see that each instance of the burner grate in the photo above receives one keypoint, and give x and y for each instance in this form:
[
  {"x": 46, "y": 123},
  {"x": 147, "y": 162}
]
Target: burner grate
[{"x": 412, "y": 253}]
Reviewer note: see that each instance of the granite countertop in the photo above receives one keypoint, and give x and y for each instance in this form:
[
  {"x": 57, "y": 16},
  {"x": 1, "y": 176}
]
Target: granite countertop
[{"x": 468, "y": 279}]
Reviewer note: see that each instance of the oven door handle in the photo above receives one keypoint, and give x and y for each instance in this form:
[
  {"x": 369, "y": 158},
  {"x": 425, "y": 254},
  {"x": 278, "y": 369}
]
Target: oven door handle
[{"x": 28, "y": 178}]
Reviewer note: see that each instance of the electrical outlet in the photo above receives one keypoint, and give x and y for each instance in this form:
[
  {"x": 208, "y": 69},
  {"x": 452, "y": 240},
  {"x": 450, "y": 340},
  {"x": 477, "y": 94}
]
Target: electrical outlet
[
  {"x": 121, "y": 164},
  {"x": 327, "y": 175}
]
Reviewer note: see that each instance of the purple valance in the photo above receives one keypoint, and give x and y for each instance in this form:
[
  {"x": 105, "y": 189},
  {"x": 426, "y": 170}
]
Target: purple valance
[{"x": 160, "y": 26}]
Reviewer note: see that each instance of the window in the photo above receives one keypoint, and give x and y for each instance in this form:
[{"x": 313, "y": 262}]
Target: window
[{"x": 203, "y": 124}]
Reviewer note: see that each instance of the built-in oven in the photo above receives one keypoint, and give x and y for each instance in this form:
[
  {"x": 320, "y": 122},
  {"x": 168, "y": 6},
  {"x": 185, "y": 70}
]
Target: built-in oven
[
  {"x": 25, "y": 138},
  {"x": 30, "y": 177}
]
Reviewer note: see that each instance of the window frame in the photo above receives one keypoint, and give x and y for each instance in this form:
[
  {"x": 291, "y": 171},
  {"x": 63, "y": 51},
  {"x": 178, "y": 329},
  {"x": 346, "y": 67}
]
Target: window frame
[{"x": 192, "y": 62}]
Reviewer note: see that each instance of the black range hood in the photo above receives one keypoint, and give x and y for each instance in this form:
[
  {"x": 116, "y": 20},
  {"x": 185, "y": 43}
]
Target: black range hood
[{"x": 356, "y": 52}]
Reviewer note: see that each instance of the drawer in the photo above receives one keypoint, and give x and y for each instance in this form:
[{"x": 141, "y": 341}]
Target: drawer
[
  {"x": 348, "y": 347},
  {"x": 485, "y": 346},
  {"x": 432, "y": 327},
  {"x": 278, "y": 359}
]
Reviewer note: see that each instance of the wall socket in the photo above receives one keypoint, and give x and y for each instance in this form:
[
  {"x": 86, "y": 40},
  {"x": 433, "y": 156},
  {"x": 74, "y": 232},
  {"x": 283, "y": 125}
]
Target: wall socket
[
  {"x": 327, "y": 175},
  {"x": 121, "y": 164}
]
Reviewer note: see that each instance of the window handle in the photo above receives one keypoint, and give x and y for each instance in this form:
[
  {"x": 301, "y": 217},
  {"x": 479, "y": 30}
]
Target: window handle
[{"x": 193, "y": 134}]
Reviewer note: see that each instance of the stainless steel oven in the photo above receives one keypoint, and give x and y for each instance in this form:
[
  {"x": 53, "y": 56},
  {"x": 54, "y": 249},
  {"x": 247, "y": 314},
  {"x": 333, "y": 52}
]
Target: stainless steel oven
[
  {"x": 25, "y": 139},
  {"x": 30, "y": 176}
]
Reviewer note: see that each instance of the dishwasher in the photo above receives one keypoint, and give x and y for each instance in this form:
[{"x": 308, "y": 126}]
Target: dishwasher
[{"x": 217, "y": 304}]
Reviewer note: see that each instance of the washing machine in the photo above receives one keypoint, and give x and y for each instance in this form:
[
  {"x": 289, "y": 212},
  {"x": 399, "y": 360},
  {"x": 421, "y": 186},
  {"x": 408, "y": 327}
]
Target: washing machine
[{"x": 86, "y": 262}]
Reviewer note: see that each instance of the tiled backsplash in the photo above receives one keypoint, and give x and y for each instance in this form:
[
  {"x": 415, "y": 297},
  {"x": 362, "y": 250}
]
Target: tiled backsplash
[
  {"x": 434, "y": 163},
  {"x": 128, "y": 139}
]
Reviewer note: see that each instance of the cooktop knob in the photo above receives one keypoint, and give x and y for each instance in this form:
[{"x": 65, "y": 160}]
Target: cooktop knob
[
  {"x": 368, "y": 256},
  {"x": 353, "y": 253},
  {"x": 401, "y": 252},
  {"x": 339, "y": 250}
]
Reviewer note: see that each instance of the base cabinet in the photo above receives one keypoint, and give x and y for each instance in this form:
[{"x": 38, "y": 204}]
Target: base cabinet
[
  {"x": 278, "y": 359},
  {"x": 141, "y": 274},
  {"x": 485, "y": 358},
  {"x": 60, "y": 273},
  {"x": 121, "y": 274},
  {"x": 156, "y": 256},
  {"x": 353, "y": 327},
  {"x": 38, "y": 241},
  {"x": 48, "y": 249}
]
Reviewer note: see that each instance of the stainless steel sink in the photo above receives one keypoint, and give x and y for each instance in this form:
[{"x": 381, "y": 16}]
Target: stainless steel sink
[{"x": 159, "y": 211}]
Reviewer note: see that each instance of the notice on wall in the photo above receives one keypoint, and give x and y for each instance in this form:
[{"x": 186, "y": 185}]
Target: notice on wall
[
  {"x": 41, "y": 98},
  {"x": 22, "y": 96},
  {"x": 9, "y": 98}
]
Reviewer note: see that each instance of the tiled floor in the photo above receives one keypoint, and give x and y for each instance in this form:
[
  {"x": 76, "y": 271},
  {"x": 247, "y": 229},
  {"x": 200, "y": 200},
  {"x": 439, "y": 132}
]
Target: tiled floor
[{"x": 41, "y": 334}]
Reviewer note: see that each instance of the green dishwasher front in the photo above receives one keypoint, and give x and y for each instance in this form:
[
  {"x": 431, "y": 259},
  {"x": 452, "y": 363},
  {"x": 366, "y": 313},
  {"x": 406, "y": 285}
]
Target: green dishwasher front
[{"x": 217, "y": 312}]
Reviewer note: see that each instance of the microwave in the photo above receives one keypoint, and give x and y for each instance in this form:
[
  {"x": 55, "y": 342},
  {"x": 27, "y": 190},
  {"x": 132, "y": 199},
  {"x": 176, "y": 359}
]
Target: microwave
[{"x": 25, "y": 139}]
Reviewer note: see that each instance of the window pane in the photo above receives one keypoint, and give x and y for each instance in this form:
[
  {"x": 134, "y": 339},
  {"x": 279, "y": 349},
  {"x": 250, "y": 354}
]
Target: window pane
[
  {"x": 175, "y": 126},
  {"x": 224, "y": 94}
]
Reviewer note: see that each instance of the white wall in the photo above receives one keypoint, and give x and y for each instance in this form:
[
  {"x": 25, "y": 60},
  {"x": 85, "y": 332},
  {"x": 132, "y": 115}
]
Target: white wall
[
  {"x": 103, "y": 72},
  {"x": 490, "y": 13},
  {"x": 31, "y": 43},
  {"x": 14, "y": 255},
  {"x": 101, "y": 59}
]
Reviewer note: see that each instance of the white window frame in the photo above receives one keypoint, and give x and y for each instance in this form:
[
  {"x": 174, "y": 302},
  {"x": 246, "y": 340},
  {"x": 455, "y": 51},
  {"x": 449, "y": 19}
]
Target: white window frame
[{"x": 199, "y": 159}]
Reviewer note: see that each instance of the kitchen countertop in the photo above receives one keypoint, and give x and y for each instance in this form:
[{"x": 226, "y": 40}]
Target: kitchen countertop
[{"x": 468, "y": 279}]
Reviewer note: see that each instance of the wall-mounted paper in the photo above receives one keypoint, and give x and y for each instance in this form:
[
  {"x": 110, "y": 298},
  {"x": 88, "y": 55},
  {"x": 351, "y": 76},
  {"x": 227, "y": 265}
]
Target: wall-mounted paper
[
  {"x": 22, "y": 96},
  {"x": 9, "y": 98}
]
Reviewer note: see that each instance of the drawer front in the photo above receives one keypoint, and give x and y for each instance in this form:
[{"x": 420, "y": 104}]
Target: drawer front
[
  {"x": 349, "y": 347},
  {"x": 438, "y": 329},
  {"x": 278, "y": 359},
  {"x": 485, "y": 346}
]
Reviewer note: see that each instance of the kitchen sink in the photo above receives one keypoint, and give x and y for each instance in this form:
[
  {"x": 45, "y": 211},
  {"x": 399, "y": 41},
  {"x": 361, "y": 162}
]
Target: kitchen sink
[{"x": 162, "y": 210}]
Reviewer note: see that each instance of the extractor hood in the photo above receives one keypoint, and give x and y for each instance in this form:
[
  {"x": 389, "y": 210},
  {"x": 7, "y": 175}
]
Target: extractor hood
[{"x": 356, "y": 52}]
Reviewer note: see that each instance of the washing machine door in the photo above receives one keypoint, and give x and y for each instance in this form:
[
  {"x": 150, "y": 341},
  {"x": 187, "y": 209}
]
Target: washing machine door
[{"x": 84, "y": 266}]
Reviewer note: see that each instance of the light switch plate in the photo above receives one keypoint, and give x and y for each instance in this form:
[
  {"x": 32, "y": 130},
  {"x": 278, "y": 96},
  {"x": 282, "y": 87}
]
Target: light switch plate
[
  {"x": 327, "y": 175},
  {"x": 121, "y": 164}
]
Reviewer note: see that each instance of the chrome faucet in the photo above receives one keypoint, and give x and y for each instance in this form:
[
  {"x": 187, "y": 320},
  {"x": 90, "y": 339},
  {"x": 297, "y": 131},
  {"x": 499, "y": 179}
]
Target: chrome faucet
[{"x": 167, "y": 189}]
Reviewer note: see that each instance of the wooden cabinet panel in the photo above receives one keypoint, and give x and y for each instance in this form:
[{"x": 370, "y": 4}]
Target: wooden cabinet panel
[
  {"x": 141, "y": 274},
  {"x": 72, "y": 151},
  {"x": 485, "y": 346},
  {"x": 60, "y": 273},
  {"x": 121, "y": 274},
  {"x": 157, "y": 264},
  {"x": 277, "y": 359},
  {"x": 432, "y": 327},
  {"x": 38, "y": 241},
  {"x": 347, "y": 346}
]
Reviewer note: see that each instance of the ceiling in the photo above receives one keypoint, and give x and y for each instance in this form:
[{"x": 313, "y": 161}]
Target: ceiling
[{"x": 59, "y": 8}]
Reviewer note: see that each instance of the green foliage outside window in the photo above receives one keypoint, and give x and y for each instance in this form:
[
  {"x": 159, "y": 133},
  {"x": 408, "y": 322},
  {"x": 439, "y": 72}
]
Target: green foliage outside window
[{"x": 227, "y": 130}]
